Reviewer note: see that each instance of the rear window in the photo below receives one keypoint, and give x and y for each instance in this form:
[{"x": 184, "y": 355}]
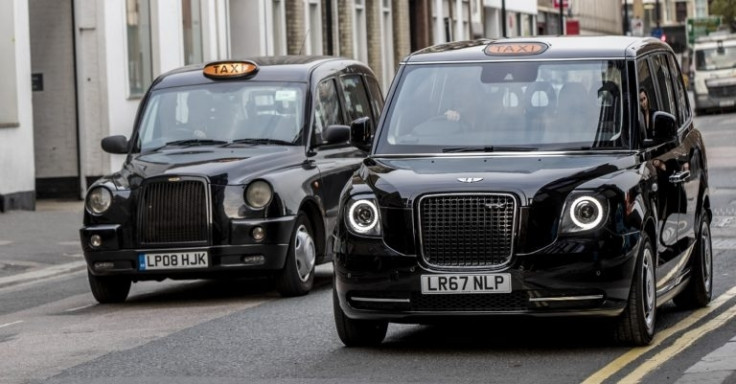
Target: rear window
[{"x": 546, "y": 105}]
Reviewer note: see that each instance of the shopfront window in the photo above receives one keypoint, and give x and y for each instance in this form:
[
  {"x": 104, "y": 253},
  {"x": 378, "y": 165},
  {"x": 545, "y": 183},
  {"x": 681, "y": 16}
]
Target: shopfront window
[{"x": 140, "y": 68}]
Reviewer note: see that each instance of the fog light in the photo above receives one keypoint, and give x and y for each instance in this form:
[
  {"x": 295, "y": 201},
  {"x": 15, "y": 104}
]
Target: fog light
[
  {"x": 95, "y": 241},
  {"x": 103, "y": 265},
  {"x": 253, "y": 260},
  {"x": 258, "y": 233}
]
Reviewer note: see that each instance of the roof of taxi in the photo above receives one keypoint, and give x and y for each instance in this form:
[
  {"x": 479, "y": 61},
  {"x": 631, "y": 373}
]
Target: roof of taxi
[
  {"x": 559, "y": 47},
  {"x": 270, "y": 68}
]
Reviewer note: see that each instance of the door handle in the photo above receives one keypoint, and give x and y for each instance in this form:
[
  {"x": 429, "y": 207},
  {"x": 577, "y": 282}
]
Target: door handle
[{"x": 680, "y": 177}]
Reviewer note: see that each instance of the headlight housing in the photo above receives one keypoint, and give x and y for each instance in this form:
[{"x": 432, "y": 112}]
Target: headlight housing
[
  {"x": 583, "y": 212},
  {"x": 362, "y": 217},
  {"x": 99, "y": 200},
  {"x": 258, "y": 194}
]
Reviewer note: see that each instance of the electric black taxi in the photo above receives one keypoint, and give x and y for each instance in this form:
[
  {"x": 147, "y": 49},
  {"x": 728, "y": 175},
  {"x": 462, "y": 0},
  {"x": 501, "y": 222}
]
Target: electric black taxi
[
  {"x": 233, "y": 169},
  {"x": 545, "y": 176}
]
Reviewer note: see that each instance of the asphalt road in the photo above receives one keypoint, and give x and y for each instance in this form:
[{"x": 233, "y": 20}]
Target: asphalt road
[{"x": 52, "y": 330}]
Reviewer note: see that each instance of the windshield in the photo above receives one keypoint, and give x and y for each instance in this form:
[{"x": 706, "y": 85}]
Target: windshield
[
  {"x": 522, "y": 106},
  {"x": 223, "y": 113},
  {"x": 714, "y": 58}
]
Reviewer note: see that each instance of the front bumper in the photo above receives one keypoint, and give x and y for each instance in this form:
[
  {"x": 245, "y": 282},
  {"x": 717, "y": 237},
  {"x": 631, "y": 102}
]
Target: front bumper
[
  {"x": 240, "y": 256},
  {"x": 588, "y": 277}
]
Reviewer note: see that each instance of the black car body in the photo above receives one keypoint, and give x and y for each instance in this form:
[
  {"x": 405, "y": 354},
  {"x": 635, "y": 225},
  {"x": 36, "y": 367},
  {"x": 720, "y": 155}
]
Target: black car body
[
  {"x": 233, "y": 169},
  {"x": 552, "y": 198}
]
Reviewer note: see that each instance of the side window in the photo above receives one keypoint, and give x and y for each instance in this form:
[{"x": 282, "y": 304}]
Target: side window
[
  {"x": 646, "y": 96},
  {"x": 377, "y": 96},
  {"x": 664, "y": 83},
  {"x": 357, "y": 103},
  {"x": 683, "y": 102},
  {"x": 327, "y": 110}
]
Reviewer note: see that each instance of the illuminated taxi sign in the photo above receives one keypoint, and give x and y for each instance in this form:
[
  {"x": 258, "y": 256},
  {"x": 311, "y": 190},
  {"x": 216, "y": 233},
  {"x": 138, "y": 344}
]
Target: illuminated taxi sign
[
  {"x": 230, "y": 69},
  {"x": 515, "y": 49}
]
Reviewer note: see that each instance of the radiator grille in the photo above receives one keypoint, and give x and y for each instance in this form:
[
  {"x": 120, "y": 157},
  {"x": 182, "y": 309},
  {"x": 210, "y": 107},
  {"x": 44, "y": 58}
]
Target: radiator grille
[
  {"x": 496, "y": 302},
  {"x": 474, "y": 230},
  {"x": 722, "y": 91},
  {"x": 173, "y": 212}
]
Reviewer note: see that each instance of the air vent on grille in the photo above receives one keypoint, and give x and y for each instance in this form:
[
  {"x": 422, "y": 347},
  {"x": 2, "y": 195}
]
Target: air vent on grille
[
  {"x": 473, "y": 230},
  {"x": 173, "y": 212}
]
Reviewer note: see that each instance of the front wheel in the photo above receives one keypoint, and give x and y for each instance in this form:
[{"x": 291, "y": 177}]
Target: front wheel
[
  {"x": 699, "y": 290},
  {"x": 297, "y": 277},
  {"x": 357, "y": 333},
  {"x": 636, "y": 324},
  {"x": 109, "y": 289}
]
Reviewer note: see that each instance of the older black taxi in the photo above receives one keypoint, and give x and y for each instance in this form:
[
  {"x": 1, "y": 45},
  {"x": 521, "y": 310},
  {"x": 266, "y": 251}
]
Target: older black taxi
[
  {"x": 233, "y": 169},
  {"x": 544, "y": 176}
]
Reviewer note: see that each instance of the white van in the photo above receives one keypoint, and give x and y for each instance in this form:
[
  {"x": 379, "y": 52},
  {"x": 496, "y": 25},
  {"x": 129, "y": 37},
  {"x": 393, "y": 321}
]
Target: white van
[{"x": 713, "y": 76}]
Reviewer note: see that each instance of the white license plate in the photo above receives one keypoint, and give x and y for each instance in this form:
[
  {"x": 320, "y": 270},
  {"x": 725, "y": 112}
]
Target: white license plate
[
  {"x": 457, "y": 283},
  {"x": 727, "y": 103},
  {"x": 172, "y": 260}
]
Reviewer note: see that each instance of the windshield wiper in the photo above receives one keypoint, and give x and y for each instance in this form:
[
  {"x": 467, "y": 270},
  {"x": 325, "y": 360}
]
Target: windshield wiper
[
  {"x": 489, "y": 148},
  {"x": 261, "y": 141},
  {"x": 193, "y": 142}
]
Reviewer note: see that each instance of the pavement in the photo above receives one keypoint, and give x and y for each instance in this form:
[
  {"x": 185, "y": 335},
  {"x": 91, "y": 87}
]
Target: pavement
[{"x": 42, "y": 243}]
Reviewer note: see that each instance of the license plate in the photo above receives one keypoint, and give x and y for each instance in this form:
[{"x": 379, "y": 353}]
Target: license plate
[
  {"x": 457, "y": 283},
  {"x": 727, "y": 103},
  {"x": 172, "y": 260}
]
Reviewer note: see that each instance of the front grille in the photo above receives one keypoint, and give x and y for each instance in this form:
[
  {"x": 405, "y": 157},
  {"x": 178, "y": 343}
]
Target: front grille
[
  {"x": 496, "y": 302},
  {"x": 173, "y": 212},
  {"x": 473, "y": 230},
  {"x": 722, "y": 91}
]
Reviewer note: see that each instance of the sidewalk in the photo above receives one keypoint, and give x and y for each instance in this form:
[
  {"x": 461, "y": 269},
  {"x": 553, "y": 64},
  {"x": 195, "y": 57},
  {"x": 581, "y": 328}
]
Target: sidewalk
[{"x": 40, "y": 243}]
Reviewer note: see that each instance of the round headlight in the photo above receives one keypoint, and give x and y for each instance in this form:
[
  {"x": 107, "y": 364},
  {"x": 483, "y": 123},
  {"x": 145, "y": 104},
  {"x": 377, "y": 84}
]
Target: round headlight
[
  {"x": 258, "y": 194},
  {"x": 586, "y": 212},
  {"x": 363, "y": 216},
  {"x": 99, "y": 200}
]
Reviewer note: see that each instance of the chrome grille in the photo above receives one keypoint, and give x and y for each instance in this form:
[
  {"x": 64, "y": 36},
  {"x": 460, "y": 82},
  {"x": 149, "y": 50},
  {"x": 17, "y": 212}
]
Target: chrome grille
[
  {"x": 468, "y": 230},
  {"x": 173, "y": 212}
]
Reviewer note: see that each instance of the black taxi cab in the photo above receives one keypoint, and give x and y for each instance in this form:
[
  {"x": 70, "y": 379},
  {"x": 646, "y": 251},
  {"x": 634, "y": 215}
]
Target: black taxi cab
[
  {"x": 540, "y": 176},
  {"x": 233, "y": 168}
]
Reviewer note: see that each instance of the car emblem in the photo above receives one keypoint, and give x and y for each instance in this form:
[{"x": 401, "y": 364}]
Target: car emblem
[
  {"x": 495, "y": 206},
  {"x": 469, "y": 179}
]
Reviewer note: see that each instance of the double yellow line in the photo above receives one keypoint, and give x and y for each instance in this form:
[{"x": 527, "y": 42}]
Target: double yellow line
[{"x": 680, "y": 344}]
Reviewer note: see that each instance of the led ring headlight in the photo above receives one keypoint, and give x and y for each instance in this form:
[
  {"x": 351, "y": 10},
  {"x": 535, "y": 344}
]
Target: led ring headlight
[
  {"x": 363, "y": 216},
  {"x": 586, "y": 212}
]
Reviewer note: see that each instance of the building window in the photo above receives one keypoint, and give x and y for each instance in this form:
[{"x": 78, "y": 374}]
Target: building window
[
  {"x": 140, "y": 68},
  {"x": 8, "y": 82},
  {"x": 192, "y": 19},
  {"x": 360, "y": 35},
  {"x": 387, "y": 53},
  {"x": 279, "y": 27}
]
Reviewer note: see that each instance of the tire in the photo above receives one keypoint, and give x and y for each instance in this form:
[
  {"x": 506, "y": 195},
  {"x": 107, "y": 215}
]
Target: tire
[
  {"x": 357, "y": 333},
  {"x": 109, "y": 289},
  {"x": 699, "y": 291},
  {"x": 297, "y": 276},
  {"x": 635, "y": 326}
]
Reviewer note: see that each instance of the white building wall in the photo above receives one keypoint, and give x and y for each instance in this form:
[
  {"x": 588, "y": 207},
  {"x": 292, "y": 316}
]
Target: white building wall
[{"x": 17, "y": 174}]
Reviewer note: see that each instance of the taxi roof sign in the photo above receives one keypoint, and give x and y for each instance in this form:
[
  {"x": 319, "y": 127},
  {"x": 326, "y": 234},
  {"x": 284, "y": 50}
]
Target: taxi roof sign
[
  {"x": 515, "y": 49},
  {"x": 230, "y": 69}
]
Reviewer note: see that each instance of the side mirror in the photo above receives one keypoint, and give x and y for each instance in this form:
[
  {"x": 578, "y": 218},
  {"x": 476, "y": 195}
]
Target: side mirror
[
  {"x": 665, "y": 126},
  {"x": 361, "y": 133},
  {"x": 117, "y": 144},
  {"x": 337, "y": 134}
]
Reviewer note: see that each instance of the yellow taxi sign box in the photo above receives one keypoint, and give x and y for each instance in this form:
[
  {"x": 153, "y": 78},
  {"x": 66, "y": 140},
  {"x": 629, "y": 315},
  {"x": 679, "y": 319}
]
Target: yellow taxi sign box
[
  {"x": 515, "y": 49},
  {"x": 229, "y": 69}
]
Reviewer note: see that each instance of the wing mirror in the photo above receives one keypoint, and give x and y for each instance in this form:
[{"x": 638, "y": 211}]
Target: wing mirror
[
  {"x": 117, "y": 144},
  {"x": 361, "y": 133}
]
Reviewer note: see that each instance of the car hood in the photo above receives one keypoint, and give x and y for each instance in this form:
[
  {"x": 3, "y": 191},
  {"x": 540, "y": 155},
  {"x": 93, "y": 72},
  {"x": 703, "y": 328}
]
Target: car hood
[
  {"x": 398, "y": 181},
  {"x": 222, "y": 165}
]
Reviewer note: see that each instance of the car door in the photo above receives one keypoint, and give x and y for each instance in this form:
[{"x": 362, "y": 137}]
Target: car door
[{"x": 671, "y": 162}]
